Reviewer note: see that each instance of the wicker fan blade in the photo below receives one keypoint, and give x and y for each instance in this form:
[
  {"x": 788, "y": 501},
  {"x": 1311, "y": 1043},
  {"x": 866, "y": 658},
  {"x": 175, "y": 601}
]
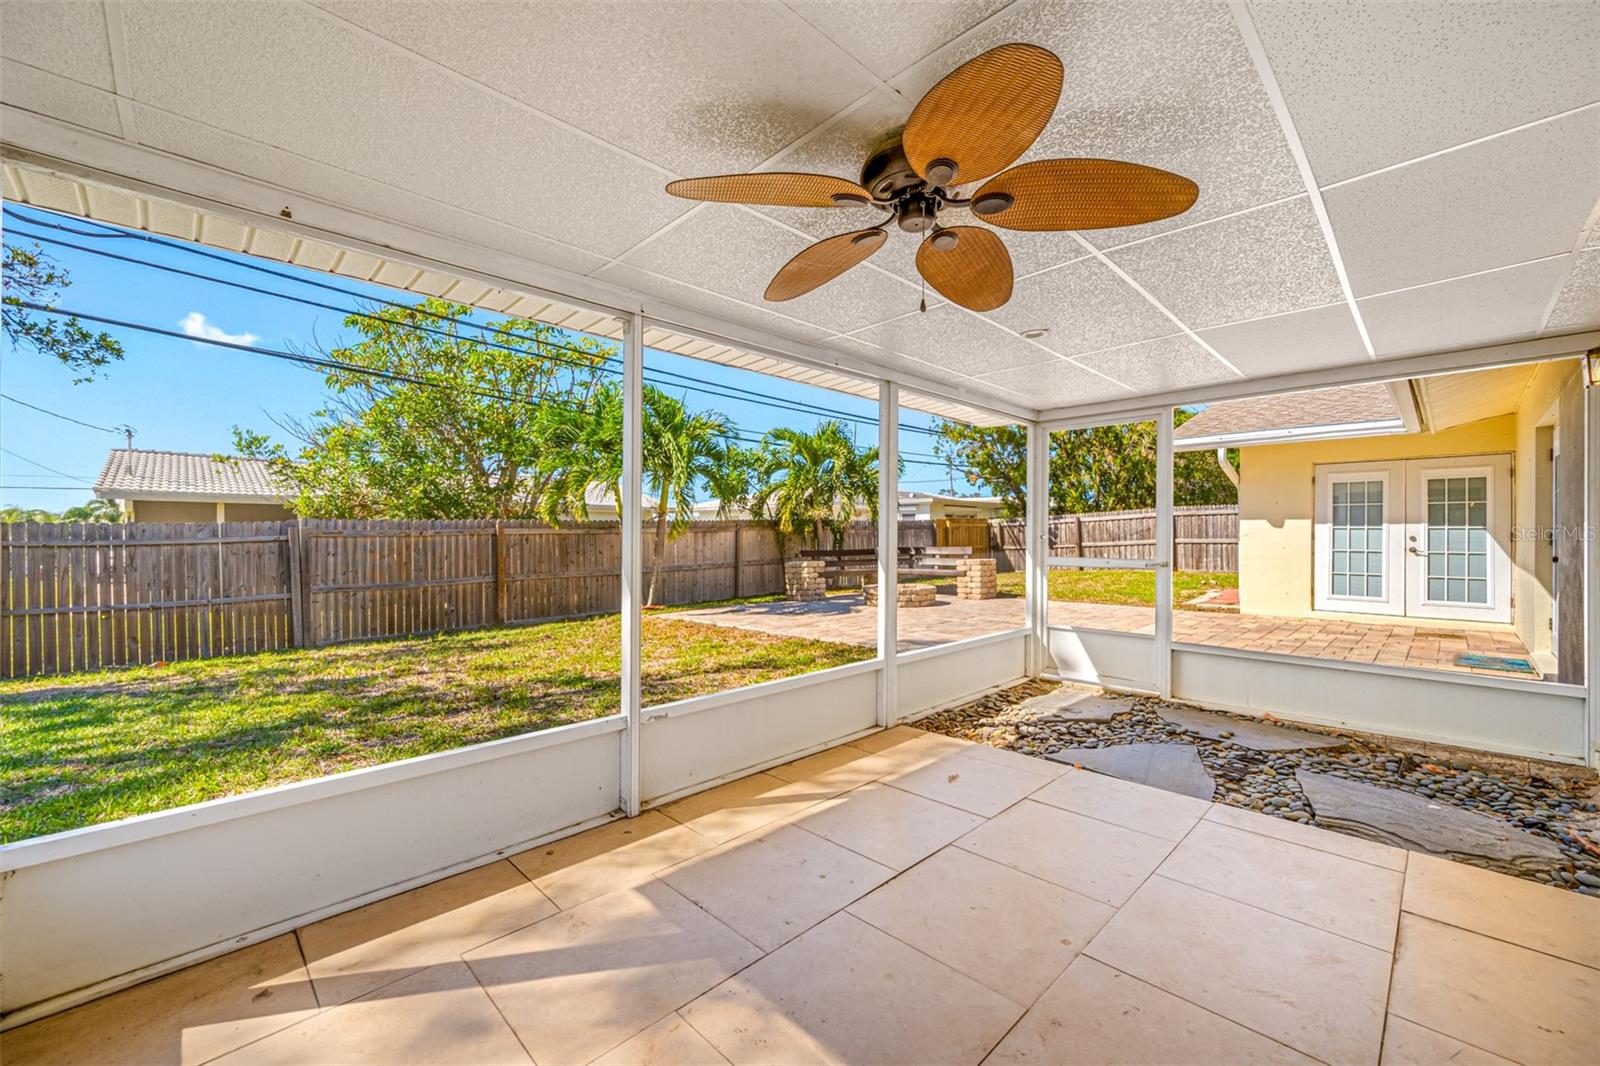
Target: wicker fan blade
[
  {"x": 1063, "y": 194},
  {"x": 777, "y": 190},
  {"x": 975, "y": 272},
  {"x": 984, "y": 114},
  {"x": 820, "y": 263}
]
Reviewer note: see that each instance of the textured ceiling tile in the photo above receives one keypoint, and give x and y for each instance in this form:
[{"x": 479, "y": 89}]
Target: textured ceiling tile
[
  {"x": 1056, "y": 383},
  {"x": 272, "y": 72},
  {"x": 1374, "y": 84},
  {"x": 1086, "y": 308},
  {"x": 1494, "y": 308},
  {"x": 1285, "y": 344},
  {"x": 1158, "y": 365},
  {"x": 170, "y": 133},
  {"x": 1579, "y": 304},
  {"x": 1260, "y": 263},
  {"x": 58, "y": 97},
  {"x": 700, "y": 88},
  {"x": 954, "y": 340},
  {"x": 64, "y": 37},
  {"x": 735, "y": 253},
  {"x": 883, "y": 357},
  {"x": 887, "y": 36},
  {"x": 1170, "y": 85},
  {"x": 708, "y": 302},
  {"x": 1508, "y": 200}
]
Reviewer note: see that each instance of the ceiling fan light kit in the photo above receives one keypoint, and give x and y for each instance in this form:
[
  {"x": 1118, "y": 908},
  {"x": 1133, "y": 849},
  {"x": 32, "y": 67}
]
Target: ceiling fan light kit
[{"x": 971, "y": 126}]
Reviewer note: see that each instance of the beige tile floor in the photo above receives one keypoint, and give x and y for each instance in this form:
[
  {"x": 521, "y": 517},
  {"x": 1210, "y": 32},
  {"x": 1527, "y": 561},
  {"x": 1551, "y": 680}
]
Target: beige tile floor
[{"x": 908, "y": 898}]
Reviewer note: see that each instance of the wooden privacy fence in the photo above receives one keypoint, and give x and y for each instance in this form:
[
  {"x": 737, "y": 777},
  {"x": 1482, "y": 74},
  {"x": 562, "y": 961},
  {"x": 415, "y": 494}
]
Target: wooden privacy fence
[
  {"x": 1204, "y": 538},
  {"x": 84, "y": 596}
]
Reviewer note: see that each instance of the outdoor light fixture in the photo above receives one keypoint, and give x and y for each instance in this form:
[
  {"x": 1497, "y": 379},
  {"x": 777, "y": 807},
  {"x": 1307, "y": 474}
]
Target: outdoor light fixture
[
  {"x": 1034, "y": 334},
  {"x": 1592, "y": 362}
]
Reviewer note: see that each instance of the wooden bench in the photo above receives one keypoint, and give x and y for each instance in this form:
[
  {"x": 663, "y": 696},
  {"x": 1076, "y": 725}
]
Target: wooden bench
[
  {"x": 844, "y": 562},
  {"x": 932, "y": 562}
]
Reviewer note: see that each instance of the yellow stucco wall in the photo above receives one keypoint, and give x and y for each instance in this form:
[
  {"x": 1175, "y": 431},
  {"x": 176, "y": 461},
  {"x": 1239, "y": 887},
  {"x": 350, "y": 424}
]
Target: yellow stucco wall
[
  {"x": 1276, "y": 500},
  {"x": 1530, "y": 557}
]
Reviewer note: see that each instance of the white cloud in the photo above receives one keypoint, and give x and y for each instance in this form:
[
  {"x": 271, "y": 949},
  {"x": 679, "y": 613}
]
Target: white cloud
[{"x": 194, "y": 324}]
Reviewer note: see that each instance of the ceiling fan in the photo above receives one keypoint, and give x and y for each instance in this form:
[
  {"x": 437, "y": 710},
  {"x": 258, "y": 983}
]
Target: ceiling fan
[{"x": 970, "y": 127}]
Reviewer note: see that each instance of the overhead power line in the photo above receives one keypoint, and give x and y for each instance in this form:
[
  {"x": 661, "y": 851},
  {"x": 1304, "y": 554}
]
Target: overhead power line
[
  {"x": 41, "y": 466},
  {"x": 58, "y": 414}
]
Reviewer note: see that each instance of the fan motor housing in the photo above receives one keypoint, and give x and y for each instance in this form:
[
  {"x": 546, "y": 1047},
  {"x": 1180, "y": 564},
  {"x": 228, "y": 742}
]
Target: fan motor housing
[{"x": 887, "y": 173}]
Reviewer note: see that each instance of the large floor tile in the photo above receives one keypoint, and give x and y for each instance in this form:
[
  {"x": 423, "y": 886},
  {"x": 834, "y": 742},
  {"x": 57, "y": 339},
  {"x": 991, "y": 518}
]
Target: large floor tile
[
  {"x": 973, "y": 782},
  {"x": 902, "y": 750},
  {"x": 745, "y": 805},
  {"x": 845, "y": 992},
  {"x": 1511, "y": 1001},
  {"x": 1094, "y": 1014},
  {"x": 1311, "y": 836},
  {"x": 1547, "y": 919},
  {"x": 1408, "y": 1044},
  {"x": 1149, "y": 810},
  {"x": 1320, "y": 993},
  {"x": 358, "y": 951},
  {"x": 1099, "y": 860},
  {"x": 1353, "y": 899},
  {"x": 1005, "y": 929},
  {"x": 843, "y": 767},
  {"x": 190, "y": 1016},
  {"x": 772, "y": 886},
  {"x": 437, "y": 1015},
  {"x": 670, "y": 1042},
  {"x": 897, "y": 735},
  {"x": 580, "y": 983},
  {"x": 888, "y": 825},
  {"x": 612, "y": 856}
]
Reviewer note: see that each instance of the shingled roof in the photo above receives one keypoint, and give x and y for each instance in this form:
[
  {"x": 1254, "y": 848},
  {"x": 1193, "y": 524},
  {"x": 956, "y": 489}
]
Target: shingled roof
[
  {"x": 1293, "y": 416},
  {"x": 139, "y": 474}
]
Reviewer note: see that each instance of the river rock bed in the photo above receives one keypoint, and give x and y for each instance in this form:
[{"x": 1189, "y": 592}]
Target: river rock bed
[{"x": 1265, "y": 781}]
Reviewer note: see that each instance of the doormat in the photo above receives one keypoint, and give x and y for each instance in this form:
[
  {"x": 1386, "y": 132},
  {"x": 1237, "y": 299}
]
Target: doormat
[{"x": 1497, "y": 662}]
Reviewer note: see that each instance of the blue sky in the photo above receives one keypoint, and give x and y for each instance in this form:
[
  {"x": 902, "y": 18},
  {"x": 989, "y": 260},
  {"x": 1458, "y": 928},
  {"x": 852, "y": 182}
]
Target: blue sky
[{"x": 186, "y": 396}]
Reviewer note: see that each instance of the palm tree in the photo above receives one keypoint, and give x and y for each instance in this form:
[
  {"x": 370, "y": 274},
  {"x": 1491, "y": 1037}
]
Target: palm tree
[
  {"x": 813, "y": 481},
  {"x": 681, "y": 448}
]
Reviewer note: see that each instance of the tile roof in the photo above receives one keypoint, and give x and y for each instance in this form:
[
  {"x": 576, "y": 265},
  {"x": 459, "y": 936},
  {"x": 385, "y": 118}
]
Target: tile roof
[
  {"x": 142, "y": 474},
  {"x": 1338, "y": 406}
]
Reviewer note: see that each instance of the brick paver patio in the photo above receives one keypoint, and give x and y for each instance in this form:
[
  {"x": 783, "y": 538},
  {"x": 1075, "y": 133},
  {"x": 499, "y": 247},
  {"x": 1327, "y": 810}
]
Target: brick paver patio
[{"x": 845, "y": 619}]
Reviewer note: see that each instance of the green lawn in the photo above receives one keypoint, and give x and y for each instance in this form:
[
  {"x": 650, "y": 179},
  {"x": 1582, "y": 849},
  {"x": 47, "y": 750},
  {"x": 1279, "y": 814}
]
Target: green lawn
[
  {"x": 96, "y": 747},
  {"x": 1134, "y": 587}
]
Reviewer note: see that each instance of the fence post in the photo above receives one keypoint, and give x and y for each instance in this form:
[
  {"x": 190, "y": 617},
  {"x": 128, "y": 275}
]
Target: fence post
[
  {"x": 499, "y": 573},
  {"x": 738, "y": 557},
  {"x": 297, "y": 614}
]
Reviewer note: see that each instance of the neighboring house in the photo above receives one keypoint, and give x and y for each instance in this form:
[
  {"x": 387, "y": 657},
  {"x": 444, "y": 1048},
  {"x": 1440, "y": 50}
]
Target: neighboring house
[
  {"x": 154, "y": 486},
  {"x": 1445, "y": 499},
  {"x": 923, "y": 506}
]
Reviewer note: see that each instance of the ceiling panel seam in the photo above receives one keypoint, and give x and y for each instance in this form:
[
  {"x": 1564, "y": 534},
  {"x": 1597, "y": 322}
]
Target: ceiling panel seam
[
  {"x": 1572, "y": 262},
  {"x": 1280, "y": 106},
  {"x": 1464, "y": 277},
  {"x": 800, "y": 20},
  {"x": 121, "y": 69},
  {"x": 1206, "y": 222}
]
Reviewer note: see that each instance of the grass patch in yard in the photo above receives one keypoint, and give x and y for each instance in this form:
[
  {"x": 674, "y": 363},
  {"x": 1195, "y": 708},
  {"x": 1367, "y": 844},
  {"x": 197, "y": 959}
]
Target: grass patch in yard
[
  {"x": 92, "y": 748},
  {"x": 1133, "y": 587}
]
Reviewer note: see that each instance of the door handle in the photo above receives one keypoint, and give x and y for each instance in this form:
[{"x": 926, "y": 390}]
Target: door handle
[{"x": 1414, "y": 550}]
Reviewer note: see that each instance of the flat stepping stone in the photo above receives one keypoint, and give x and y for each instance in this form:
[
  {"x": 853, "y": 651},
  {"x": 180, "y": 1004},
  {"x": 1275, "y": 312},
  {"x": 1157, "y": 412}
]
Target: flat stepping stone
[
  {"x": 1408, "y": 821},
  {"x": 1075, "y": 707},
  {"x": 1172, "y": 767},
  {"x": 1259, "y": 736}
]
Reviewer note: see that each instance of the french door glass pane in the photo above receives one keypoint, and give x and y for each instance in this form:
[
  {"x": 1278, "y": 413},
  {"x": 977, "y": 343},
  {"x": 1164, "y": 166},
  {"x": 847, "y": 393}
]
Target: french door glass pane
[
  {"x": 1356, "y": 565},
  {"x": 1458, "y": 539}
]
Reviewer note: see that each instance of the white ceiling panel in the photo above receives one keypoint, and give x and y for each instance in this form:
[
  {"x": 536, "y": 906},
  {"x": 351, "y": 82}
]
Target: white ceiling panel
[
  {"x": 1374, "y": 84},
  {"x": 1056, "y": 383},
  {"x": 1166, "y": 363},
  {"x": 38, "y": 90},
  {"x": 746, "y": 250},
  {"x": 1492, "y": 308},
  {"x": 228, "y": 65},
  {"x": 64, "y": 37},
  {"x": 196, "y": 141},
  {"x": 1085, "y": 306},
  {"x": 700, "y": 88},
  {"x": 1264, "y": 262},
  {"x": 1286, "y": 344},
  {"x": 698, "y": 299},
  {"x": 1508, "y": 200},
  {"x": 887, "y": 36},
  {"x": 1578, "y": 307},
  {"x": 957, "y": 341}
]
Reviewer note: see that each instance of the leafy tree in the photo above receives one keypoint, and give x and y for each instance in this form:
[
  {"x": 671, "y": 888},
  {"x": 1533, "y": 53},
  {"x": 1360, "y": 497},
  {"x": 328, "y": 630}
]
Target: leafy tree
[
  {"x": 90, "y": 511},
  {"x": 1101, "y": 468},
  {"x": 33, "y": 277},
  {"x": 808, "y": 482},
  {"x": 435, "y": 418}
]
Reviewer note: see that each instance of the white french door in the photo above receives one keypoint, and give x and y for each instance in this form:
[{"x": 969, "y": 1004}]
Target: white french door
[{"x": 1421, "y": 538}]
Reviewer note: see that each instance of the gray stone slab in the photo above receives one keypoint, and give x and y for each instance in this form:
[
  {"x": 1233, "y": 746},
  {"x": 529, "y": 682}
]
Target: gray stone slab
[
  {"x": 1408, "y": 821},
  {"x": 1173, "y": 767},
  {"x": 1072, "y": 706},
  {"x": 1261, "y": 736}
]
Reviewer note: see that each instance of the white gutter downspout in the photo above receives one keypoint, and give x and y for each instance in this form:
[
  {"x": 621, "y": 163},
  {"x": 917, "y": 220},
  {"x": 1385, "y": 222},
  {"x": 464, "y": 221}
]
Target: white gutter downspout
[{"x": 1227, "y": 467}]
